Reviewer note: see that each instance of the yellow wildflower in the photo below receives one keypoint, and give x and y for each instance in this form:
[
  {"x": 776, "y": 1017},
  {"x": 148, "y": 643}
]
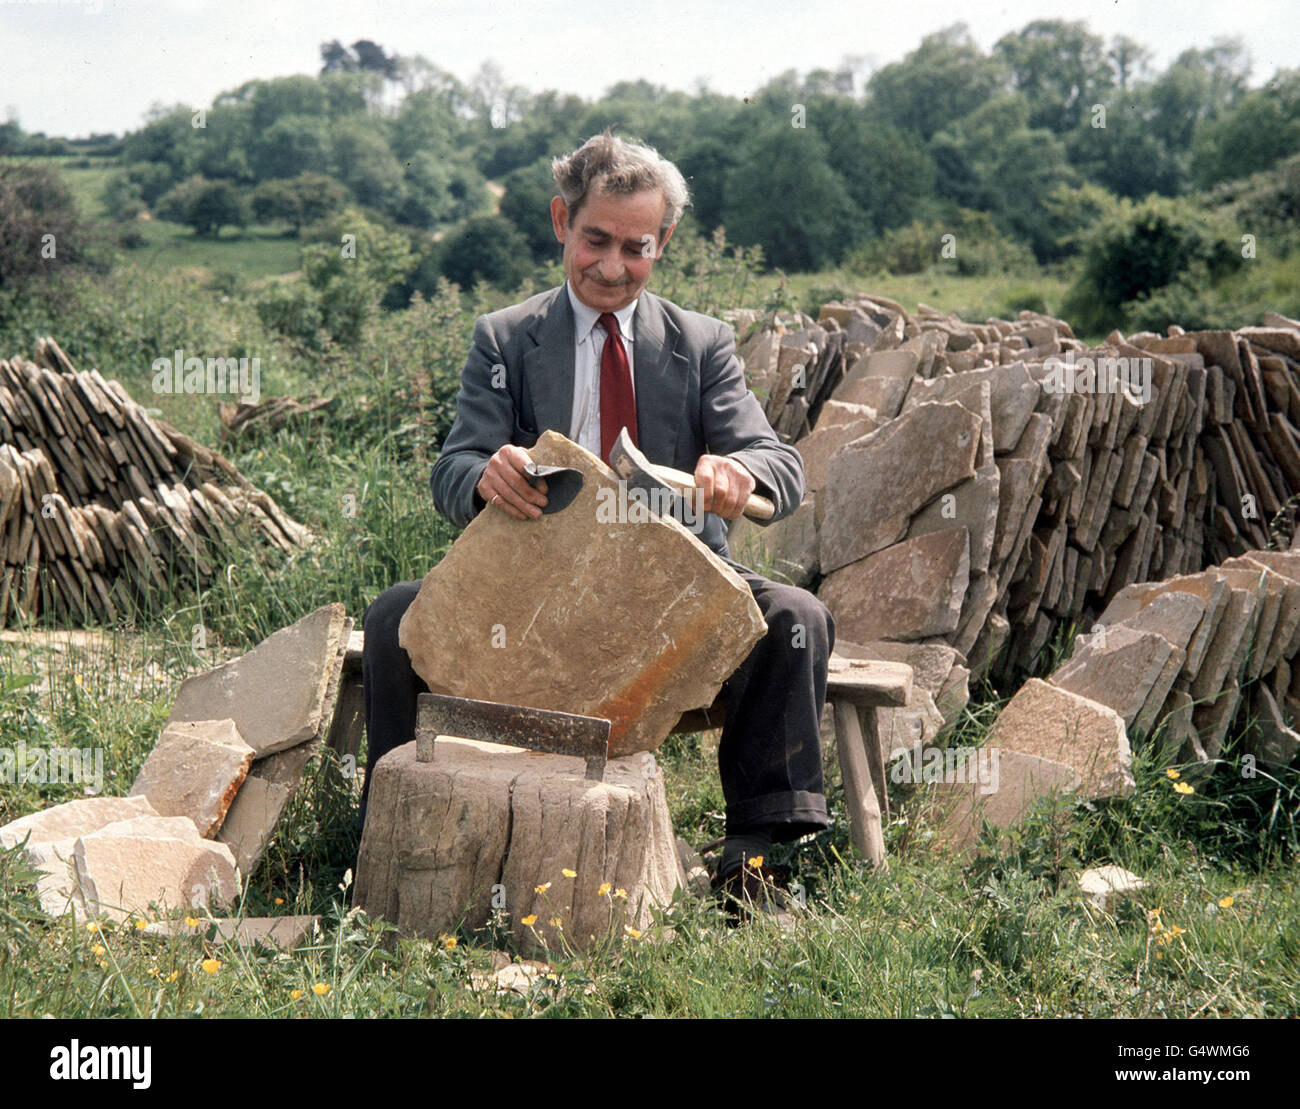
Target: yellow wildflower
[
  {"x": 449, "y": 942},
  {"x": 756, "y": 861},
  {"x": 92, "y": 927},
  {"x": 173, "y": 976},
  {"x": 633, "y": 932},
  {"x": 103, "y": 964},
  {"x": 1183, "y": 788},
  {"x": 279, "y": 900},
  {"x": 191, "y": 922},
  {"x": 295, "y": 994},
  {"x": 141, "y": 925},
  {"x": 1174, "y": 930},
  {"x": 569, "y": 873},
  {"x": 1173, "y": 774},
  {"x": 1225, "y": 902},
  {"x": 621, "y": 892},
  {"x": 529, "y": 920},
  {"x": 605, "y": 887},
  {"x": 542, "y": 888},
  {"x": 556, "y": 922},
  {"x": 320, "y": 989},
  {"x": 211, "y": 965},
  {"x": 98, "y": 949}
]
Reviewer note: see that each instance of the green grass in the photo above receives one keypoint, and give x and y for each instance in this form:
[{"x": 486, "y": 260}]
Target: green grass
[{"x": 257, "y": 252}]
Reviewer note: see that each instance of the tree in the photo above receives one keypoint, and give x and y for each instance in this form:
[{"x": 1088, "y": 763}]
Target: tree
[
  {"x": 1061, "y": 68},
  {"x": 943, "y": 79},
  {"x": 307, "y": 198},
  {"x": 527, "y": 205},
  {"x": 40, "y": 230},
  {"x": 797, "y": 209},
  {"x": 1261, "y": 130},
  {"x": 207, "y": 206},
  {"x": 486, "y": 248}
]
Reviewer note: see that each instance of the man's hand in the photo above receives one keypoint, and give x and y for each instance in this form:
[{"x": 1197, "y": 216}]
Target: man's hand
[
  {"x": 724, "y": 485},
  {"x": 504, "y": 485}
]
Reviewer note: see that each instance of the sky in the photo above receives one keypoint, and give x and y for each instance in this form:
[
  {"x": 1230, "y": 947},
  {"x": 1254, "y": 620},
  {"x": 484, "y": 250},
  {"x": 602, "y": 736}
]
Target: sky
[{"x": 79, "y": 67}]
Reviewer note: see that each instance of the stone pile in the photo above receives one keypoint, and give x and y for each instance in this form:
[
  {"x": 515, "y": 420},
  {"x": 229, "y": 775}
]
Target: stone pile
[
  {"x": 980, "y": 486},
  {"x": 97, "y": 498},
  {"x": 208, "y": 797}
]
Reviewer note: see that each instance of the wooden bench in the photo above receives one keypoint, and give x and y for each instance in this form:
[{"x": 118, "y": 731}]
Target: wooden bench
[{"x": 855, "y": 689}]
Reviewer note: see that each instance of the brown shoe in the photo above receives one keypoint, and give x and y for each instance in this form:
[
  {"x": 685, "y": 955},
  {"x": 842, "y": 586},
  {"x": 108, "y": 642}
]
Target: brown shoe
[{"x": 753, "y": 891}]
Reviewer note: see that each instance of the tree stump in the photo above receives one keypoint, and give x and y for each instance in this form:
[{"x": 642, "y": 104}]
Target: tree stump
[{"x": 487, "y": 829}]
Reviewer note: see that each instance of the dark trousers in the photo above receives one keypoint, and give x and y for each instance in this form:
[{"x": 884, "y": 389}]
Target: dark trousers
[{"x": 769, "y": 758}]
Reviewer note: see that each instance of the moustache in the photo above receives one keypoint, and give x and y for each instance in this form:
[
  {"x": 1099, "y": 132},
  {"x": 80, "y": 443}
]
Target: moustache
[{"x": 595, "y": 279}]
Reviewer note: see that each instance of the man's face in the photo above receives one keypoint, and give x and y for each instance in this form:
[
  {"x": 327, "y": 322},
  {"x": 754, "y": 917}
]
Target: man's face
[{"x": 610, "y": 246}]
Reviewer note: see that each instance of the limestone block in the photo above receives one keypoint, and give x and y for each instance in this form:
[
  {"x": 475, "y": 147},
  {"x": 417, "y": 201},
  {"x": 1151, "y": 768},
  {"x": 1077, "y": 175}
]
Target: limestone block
[
  {"x": 972, "y": 505},
  {"x": 1208, "y": 586},
  {"x": 195, "y": 770},
  {"x": 1053, "y": 723},
  {"x": 1104, "y": 887},
  {"x": 73, "y": 818},
  {"x": 911, "y": 590},
  {"x": 599, "y": 610},
  {"x": 276, "y": 693},
  {"x": 816, "y": 449},
  {"x": 1121, "y": 667},
  {"x": 251, "y": 821},
  {"x": 878, "y": 482}
]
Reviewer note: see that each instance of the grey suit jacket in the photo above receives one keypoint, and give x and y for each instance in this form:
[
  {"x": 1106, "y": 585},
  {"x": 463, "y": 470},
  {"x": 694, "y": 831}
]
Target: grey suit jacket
[{"x": 691, "y": 399}]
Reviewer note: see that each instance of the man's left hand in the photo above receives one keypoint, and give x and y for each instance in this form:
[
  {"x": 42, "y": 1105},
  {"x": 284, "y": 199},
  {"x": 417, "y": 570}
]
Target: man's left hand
[{"x": 724, "y": 485}]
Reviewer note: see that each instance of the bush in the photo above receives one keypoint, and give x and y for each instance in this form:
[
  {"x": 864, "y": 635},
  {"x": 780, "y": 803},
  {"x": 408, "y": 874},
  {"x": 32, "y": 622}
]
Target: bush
[
  {"x": 207, "y": 206},
  {"x": 978, "y": 247},
  {"x": 487, "y": 248},
  {"x": 1140, "y": 248}
]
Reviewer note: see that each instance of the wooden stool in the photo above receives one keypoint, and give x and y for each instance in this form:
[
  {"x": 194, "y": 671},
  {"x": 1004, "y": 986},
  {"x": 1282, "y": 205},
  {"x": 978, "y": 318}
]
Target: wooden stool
[{"x": 855, "y": 688}]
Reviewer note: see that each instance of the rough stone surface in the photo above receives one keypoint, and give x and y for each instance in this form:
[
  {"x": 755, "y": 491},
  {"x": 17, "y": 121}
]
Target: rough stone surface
[
  {"x": 126, "y": 867},
  {"x": 635, "y": 621},
  {"x": 972, "y": 505},
  {"x": 1272, "y": 741},
  {"x": 73, "y": 818},
  {"x": 878, "y": 482},
  {"x": 276, "y": 693},
  {"x": 440, "y": 834},
  {"x": 251, "y": 821},
  {"x": 1208, "y": 587},
  {"x": 1022, "y": 781},
  {"x": 911, "y": 590},
  {"x": 1119, "y": 667},
  {"x": 816, "y": 449},
  {"x": 1213, "y": 718},
  {"x": 1105, "y": 887},
  {"x": 195, "y": 770},
  {"x": 1056, "y": 724}
]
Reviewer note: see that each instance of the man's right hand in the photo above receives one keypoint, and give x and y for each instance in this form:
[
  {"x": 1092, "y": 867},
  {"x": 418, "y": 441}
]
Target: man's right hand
[{"x": 504, "y": 485}]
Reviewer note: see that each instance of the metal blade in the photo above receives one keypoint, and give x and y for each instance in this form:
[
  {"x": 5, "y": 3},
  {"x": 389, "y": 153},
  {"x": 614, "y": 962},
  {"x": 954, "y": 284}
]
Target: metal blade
[{"x": 558, "y": 733}]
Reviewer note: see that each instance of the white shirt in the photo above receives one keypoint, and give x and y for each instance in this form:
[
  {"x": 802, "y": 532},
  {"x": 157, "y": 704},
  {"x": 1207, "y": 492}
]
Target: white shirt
[{"x": 588, "y": 343}]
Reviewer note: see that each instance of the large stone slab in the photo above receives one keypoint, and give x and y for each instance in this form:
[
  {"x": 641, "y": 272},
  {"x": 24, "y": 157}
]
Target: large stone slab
[
  {"x": 912, "y": 590},
  {"x": 1019, "y": 783},
  {"x": 1272, "y": 741},
  {"x": 1121, "y": 667},
  {"x": 878, "y": 482},
  {"x": 276, "y": 693},
  {"x": 816, "y": 449},
  {"x": 972, "y": 505},
  {"x": 73, "y": 818},
  {"x": 1209, "y": 587},
  {"x": 1213, "y": 717},
  {"x": 880, "y": 379},
  {"x": 195, "y": 770},
  {"x": 1013, "y": 396},
  {"x": 251, "y": 821},
  {"x": 1231, "y": 637},
  {"x": 126, "y": 867},
  {"x": 601, "y": 609},
  {"x": 1056, "y": 724}
]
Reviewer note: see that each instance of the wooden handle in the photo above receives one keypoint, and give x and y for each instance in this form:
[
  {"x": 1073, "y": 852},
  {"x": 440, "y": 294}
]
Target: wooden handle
[{"x": 756, "y": 507}]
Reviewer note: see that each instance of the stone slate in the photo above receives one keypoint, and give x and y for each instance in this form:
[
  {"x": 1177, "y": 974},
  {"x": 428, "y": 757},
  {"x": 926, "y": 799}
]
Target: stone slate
[{"x": 195, "y": 770}]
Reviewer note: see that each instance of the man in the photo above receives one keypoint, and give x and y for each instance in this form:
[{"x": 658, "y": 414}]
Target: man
[{"x": 586, "y": 359}]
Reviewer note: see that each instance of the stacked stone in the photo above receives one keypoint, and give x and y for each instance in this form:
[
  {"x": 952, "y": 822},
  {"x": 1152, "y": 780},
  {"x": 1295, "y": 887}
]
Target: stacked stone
[
  {"x": 97, "y": 498},
  {"x": 970, "y": 486}
]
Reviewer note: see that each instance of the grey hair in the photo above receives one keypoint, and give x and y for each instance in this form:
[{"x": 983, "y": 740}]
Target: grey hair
[{"x": 615, "y": 166}]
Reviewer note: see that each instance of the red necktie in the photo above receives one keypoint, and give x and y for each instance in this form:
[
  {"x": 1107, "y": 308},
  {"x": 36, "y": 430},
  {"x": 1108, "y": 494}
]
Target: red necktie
[{"x": 617, "y": 403}]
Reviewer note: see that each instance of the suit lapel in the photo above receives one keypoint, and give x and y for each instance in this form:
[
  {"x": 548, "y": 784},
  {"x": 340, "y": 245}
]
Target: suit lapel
[
  {"x": 548, "y": 366},
  {"x": 661, "y": 378}
]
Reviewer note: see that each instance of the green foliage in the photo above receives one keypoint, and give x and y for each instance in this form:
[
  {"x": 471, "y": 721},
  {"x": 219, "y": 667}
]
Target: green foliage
[
  {"x": 41, "y": 232},
  {"x": 486, "y": 248},
  {"x": 527, "y": 204},
  {"x": 207, "y": 206},
  {"x": 975, "y": 245},
  {"x": 1260, "y": 130},
  {"x": 1143, "y": 247},
  {"x": 307, "y": 198}
]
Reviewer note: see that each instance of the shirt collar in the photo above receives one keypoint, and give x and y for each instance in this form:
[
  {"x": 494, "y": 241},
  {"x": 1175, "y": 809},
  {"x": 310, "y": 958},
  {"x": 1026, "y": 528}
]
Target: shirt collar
[{"x": 585, "y": 317}]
